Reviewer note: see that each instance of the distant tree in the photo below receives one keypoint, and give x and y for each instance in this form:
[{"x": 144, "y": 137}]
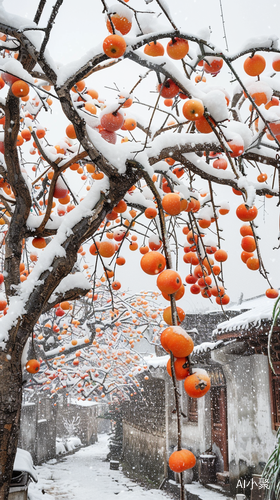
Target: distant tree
[{"x": 140, "y": 175}]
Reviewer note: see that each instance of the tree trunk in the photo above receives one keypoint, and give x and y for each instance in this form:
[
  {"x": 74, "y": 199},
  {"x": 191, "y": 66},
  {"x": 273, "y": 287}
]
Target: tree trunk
[{"x": 10, "y": 409}]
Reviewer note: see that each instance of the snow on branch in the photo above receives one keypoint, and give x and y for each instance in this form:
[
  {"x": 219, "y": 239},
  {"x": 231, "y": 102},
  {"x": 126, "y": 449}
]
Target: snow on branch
[{"x": 72, "y": 285}]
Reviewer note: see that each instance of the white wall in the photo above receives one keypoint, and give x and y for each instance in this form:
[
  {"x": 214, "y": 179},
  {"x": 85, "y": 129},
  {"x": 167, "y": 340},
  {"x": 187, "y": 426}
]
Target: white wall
[{"x": 250, "y": 435}]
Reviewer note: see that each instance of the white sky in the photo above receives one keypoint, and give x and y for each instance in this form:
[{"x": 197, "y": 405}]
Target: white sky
[{"x": 80, "y": 27}]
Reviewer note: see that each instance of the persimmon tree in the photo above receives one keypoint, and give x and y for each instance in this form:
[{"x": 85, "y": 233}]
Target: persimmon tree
[
  {"x": 86, "y": 350},
  {"x": 138, "y": 174}
]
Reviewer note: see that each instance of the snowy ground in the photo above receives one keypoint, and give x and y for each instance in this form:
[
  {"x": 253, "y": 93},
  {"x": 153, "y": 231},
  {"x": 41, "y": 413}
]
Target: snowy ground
[{"x": 85, "y": 476}]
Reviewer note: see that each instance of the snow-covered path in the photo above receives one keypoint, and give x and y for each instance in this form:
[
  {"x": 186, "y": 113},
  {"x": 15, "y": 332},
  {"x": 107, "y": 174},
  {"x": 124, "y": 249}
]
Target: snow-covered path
[{"x": 84, "y": 476}]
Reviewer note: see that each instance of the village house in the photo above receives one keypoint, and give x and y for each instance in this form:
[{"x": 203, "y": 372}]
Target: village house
[{"x": 232, "y": 429}]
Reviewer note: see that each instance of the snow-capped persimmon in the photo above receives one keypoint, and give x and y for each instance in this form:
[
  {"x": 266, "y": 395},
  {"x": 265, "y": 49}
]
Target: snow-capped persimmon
[
  {"x": 9, "y": 79},
  {"x": 236, "y": 148},
  {"x": 112, "y": 121},
  {"x": 40, "y": 132},
  {"x": 171, "y": 203},
  {"x": 114, "y": 46},
  {"x": 259, "y": 98},
  {"x": 197, "y": 384},
  {"x": 90, "y": 108},
  {"x": 204, "y": 223},
  {"x": 178, "y": 171},
  {"x": 153, "y": 263},
  {"x": 213, "y": 65},
  {"x": 108, "y": 136},
  {"x": 181, "y": 460},
  {"x": 20, "y": 88},
  {"x": 168, "y": 89},
  {"x": 32, "y": 366},
  {"x": 3, "y": 304},
  {"x": 169, "y": 281},
  {"x": 275, "y": 128},
  {"x": 155, "y": 243},
  {"x": 254, "y": 65},
  {"x": 92, "y": 93},
  {"x": 177, "y": 48},
  {"x": 272, "y": 293},
  {"x": 167, "y": 315},
  {"x": 177, "y": 340},
  {"x": 220, "y": 164},
  {"x": 26, "y": 134},
  {"x": 154, "y": 49},
  {"x": 246, "y": 214},
  {"x": 276, "y": 63},
  {"x": 39, "y": 242},
  {"x": 193, "y": 109},
  {"x": 274, "y": 101},
  {"x": 199, "y": 78},
  {"x": 126, "y": 101},
  {"x": 121, "y": 23},
  {"x": 59, "y": 312},
  {"x": 181, "y": 371}
]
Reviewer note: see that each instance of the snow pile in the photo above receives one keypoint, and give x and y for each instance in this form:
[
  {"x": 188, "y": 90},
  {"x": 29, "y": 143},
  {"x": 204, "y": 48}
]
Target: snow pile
[
  {"x": 65, "y": 445},
  {"x": 24, "y": 462},
  {"x": 216, "y": 105},
  {"x": 261, "y": 309}
]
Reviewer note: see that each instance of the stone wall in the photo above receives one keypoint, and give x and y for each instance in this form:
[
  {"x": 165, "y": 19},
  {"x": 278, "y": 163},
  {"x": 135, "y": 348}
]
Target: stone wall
[
  {"x": 86, "y": 418},
  {"x": 144, "y": 430},
  {"x": 38, "y": 429},
  {"x": 42, "y": 420},
  {"x": 144, "y": 451}
]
